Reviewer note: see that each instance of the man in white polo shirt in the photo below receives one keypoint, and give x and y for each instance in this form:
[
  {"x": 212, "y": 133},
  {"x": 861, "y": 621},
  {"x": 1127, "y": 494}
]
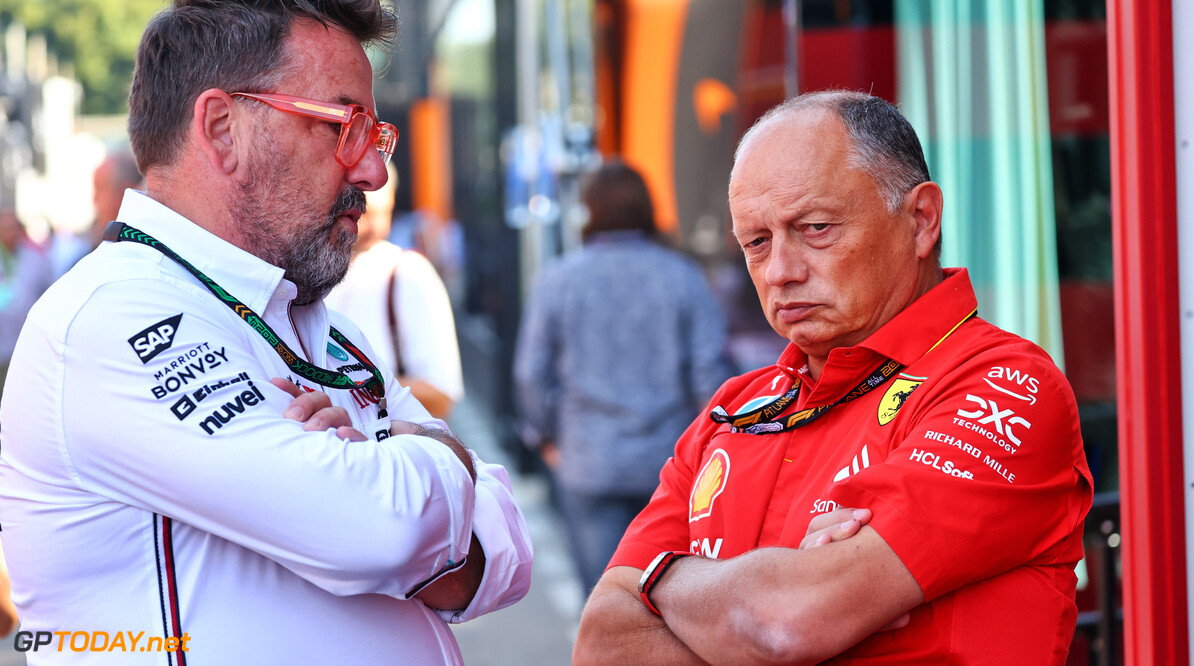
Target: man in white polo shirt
[{"x": 199, "y": 463}]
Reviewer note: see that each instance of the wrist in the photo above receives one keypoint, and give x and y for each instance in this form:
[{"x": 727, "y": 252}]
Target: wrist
[{"x": 654, "y": 573}]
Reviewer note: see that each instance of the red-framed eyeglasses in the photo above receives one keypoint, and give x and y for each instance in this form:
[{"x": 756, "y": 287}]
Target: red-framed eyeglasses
[{"x": 359, "y": 128}]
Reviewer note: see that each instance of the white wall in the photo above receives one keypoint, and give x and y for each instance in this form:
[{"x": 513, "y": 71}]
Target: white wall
[{"x": 1183, "y": 71}]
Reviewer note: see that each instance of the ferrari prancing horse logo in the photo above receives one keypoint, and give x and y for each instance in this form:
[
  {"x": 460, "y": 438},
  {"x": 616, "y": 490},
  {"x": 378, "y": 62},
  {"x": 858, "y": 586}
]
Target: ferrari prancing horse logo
[{"x": 901, "y": 387}]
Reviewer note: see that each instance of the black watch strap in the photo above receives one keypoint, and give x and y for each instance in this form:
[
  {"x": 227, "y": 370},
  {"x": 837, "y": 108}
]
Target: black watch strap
[{"x": 654, "y": 572}]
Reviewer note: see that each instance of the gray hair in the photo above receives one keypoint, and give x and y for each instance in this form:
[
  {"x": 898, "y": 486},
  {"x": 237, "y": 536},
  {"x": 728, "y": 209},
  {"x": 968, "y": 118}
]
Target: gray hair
[
  {"x": 882, "y": 141},
  {"x": 233, "y": 45}
]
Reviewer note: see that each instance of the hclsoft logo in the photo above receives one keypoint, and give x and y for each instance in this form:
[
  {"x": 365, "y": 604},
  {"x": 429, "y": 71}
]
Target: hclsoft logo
[{"x": 155, "y": 339}]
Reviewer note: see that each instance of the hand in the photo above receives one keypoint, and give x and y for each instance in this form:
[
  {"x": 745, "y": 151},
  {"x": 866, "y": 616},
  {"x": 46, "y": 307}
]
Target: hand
[
  {"x": 837, "y": 525},
  {"x": 442, "y": 436},
  {"x": 315, "y": 411}
]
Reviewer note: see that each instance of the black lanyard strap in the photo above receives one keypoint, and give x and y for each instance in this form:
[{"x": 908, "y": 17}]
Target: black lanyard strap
[
  {"x": 763, "y": 421},
  {"x": 375, "y": 385},
  {"x": 805, "y": 416}
]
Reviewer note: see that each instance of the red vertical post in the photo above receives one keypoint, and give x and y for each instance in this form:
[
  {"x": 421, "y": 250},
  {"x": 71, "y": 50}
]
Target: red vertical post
[{"x": 1144, "y": 234}]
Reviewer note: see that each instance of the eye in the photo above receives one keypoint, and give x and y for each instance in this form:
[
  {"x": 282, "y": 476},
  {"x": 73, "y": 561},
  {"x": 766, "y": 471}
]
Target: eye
[{"x": 817, "y": 227}]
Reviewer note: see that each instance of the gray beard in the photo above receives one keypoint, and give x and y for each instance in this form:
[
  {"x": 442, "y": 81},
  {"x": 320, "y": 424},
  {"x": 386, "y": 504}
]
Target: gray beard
[{"x": 316, "y": 257}]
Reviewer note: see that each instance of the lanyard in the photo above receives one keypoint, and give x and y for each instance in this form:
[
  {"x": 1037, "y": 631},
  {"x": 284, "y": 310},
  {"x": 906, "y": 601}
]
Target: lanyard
[
  {"x": 762, "y": 420},
  {"x": 375, "y": 385}
]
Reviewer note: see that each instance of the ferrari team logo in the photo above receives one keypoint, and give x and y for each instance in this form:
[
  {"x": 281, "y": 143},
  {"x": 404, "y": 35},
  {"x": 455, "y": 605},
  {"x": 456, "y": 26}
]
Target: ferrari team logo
[
  {"x": 901, "y": 387},
  {"x": 709, "y": 484}
]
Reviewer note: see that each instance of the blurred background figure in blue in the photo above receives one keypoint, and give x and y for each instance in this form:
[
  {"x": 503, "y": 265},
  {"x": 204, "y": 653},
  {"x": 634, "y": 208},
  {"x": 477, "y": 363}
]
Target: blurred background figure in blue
[
  {"x": 25, "y": 272},
  {"x": 622, "y": 342},
  {"x": 401, "y": 305}
]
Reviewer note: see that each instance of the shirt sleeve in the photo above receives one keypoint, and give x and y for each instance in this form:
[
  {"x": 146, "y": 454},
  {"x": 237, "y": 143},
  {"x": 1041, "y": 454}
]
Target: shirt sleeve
[
  {"x": 351, "y": 518},
  {"x": 990, "y": 475},
  {"x": 502, "y": 531}
]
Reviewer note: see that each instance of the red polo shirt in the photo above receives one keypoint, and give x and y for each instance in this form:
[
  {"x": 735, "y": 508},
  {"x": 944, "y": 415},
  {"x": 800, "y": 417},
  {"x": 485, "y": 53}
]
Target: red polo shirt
[{"x": 970, "y": 459}]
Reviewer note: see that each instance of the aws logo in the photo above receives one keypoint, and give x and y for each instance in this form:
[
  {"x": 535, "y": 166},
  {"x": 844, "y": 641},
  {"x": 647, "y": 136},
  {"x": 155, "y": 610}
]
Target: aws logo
[
  {"x": 901, "y": 387},
  {"x": 710, "y": 482}
]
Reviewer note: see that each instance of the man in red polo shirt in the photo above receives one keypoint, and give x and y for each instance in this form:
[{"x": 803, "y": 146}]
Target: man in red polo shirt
[{"x": 935, "y": 459}]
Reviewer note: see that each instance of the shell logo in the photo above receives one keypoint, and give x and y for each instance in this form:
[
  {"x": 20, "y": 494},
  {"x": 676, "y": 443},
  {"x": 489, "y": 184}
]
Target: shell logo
[{"x": 709, "y": 484}]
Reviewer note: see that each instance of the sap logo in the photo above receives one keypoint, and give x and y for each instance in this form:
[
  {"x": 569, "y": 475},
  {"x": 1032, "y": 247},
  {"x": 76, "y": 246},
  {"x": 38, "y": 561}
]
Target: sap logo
[
  {"x": 231, "y": 410},
  {"x": 988, "y": 413},
  {"x": 155, "y": 339},
  {"x": 702, "y": 547},
  {"x": 855, "y": 466},
  {"x": 1023, "y": 382}
]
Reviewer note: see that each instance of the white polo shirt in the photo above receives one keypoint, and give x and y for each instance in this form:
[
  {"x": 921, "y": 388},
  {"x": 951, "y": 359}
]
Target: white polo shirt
[{"x": 149, "y": 483}]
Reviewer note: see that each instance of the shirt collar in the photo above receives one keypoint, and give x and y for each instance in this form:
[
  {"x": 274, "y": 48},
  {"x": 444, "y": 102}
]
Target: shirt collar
[
  {"x": 914, "y": 330},
  {"x": 250, "y": 279}
]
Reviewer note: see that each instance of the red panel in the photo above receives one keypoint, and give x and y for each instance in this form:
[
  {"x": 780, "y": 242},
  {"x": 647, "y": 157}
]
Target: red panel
[
  {"x": 1144, "y": 228},
  {"x": 1077, "y": 91},
  {"x": 854, "y": 58}
]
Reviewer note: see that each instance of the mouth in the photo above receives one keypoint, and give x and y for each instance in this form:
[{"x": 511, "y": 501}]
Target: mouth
[
  {"x": 350, "y": 219},
  {"x": 790, "y": 313}
]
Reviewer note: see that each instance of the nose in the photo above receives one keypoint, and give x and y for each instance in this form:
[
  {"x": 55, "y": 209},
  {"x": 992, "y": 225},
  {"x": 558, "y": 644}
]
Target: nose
[
  {"x": 369, "y": 173},
  {"x": 786, "y": 262}
]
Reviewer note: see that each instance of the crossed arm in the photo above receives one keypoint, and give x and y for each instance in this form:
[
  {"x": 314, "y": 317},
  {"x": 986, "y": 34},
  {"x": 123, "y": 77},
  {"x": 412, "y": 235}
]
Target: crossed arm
[
  {"x": 314, "y": 410},
  {"x": 768, "y": 606}
]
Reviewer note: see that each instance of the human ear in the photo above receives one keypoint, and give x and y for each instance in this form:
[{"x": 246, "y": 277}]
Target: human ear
[
  {"x": 924, "y": 203},
  {"x": 212, "y": 127}
]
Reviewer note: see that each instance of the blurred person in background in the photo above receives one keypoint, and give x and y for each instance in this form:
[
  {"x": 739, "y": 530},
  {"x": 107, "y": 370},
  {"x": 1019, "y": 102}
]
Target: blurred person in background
[
  {"x": 190, "y": 456},
  {"x": 25, "y": 272},
  {"x": 115, "y": 174},
  {"x": 906, "y": 484},
  {"x": 620, "y": 345},
  {"x": 402, "y": 307}
]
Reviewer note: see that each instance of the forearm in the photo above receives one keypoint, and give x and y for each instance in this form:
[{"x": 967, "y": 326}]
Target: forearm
[
  {"x": 616, "y": 628},
  {"x": 786, "y": 606}
]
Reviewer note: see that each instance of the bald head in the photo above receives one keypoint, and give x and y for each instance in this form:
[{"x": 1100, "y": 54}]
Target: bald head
[
  {"x": 113, "y": 176},
  {"x": 882, "y": 141}
]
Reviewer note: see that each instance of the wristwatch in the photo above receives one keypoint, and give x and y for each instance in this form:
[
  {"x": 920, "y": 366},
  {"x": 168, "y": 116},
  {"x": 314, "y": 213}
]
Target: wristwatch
[{"x": 654, "y": 572}]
